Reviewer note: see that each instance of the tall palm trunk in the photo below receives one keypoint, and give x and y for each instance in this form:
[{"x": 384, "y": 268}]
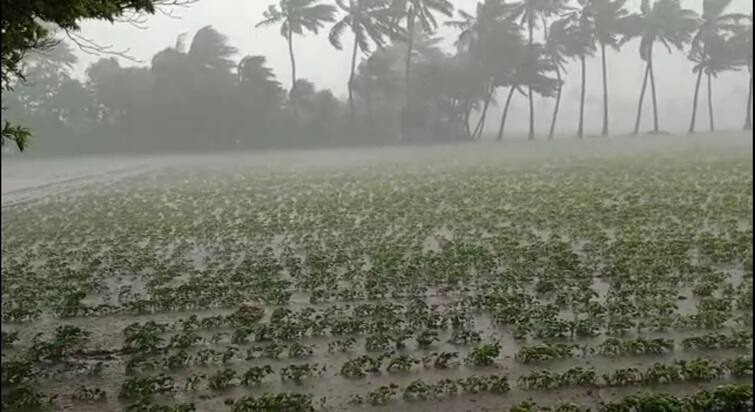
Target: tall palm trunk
[
  {"x": 694, "y": 102},
  {"x": 581, "y": 129},
  {"x": 505, "y": 112},
  {"x": 748, "y": 116},
  {"x": 531, "y": 24},
  {"x": 710, "y": 104},
  {"x": 368, "y": 104},
  {"x": 351, "y": 80},
  {"x": 467, "y": 115},
  {"x": 652, "y": 92},
  {"x": 407, "y": 72},
  {"x": 480, "y": 128},
  {"x": 292, "y": 95},
  {"x": 604, "y": 132},
  {"x": 558, "y": 103},
  {"x": 642, "y": 97}
]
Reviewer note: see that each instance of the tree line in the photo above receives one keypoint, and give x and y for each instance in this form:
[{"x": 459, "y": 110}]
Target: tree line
[{"x": 195, "y": 95}]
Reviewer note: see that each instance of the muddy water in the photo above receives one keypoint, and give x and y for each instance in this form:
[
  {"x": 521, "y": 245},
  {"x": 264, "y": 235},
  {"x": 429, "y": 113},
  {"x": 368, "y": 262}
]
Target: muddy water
[
  {"x": 107, "y": 335},
  {"x": 107, "y": 331}
]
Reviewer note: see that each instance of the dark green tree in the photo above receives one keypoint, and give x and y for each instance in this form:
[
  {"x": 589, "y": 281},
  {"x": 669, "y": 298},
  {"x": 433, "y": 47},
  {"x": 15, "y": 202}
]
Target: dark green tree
[{"x": 25, "y": 27}]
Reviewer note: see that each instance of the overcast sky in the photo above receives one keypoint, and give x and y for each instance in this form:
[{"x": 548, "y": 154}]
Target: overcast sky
[{"x": 328, "y": 68}]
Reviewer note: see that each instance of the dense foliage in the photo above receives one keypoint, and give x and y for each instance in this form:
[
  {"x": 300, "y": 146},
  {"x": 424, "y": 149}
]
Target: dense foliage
[
  {"x": 26, "y": 28},
  {"x": 199, "y": 95}
]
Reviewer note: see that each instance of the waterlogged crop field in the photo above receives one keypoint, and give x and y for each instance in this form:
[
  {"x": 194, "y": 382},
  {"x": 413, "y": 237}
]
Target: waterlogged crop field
[{"x": 544, "y": 277}]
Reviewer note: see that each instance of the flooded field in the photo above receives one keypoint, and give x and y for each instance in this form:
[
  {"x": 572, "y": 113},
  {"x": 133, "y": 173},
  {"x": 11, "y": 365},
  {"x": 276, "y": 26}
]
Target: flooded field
[{"x": 467, "y": 277}]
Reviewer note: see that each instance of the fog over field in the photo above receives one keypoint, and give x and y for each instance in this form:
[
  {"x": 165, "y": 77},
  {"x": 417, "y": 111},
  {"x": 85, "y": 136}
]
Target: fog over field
[{"x": 25, "y": 179}]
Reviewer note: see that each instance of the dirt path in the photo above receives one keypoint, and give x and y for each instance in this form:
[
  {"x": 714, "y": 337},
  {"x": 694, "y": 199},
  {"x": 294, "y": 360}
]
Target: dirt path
[{"x": 33, "y": 179}]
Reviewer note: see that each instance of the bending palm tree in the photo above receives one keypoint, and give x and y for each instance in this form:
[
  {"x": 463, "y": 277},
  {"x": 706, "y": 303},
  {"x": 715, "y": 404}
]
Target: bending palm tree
[
  {"x": 610, "y": 19},
  {"x": 415, "y": 11},
  {"x": 476, "y": 40},
  {"x": 742, "y": 44},
  {"x": 209, "y": 48},
  {"x": 296, "y": 17},
  {"x": 668, "y": 23},
  {"x": 531, "y": 11},
  {"x": 721, "y": 56},
  {"x": 581, "y": 29},
  {"x": 519, "y": 67},
  {"x": 368, "y": 20},
  {"x": 561, "y": 43},
  {"x": 713, "y": 24}
]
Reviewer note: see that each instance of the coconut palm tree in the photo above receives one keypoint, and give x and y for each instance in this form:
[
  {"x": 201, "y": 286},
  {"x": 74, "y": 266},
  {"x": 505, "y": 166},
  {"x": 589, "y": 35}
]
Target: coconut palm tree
[
  {"x": 530, "y": 12},
  {"x": 561, "y": 44},
  {"x": 379, "y": 80},
  {"x": 209, "y": 49},
  {"x": 422, "y": 12},
  {"x": 580, "y": 27},
  {"x": 665, "y": 22},
  {"x": 720, "y": 56},
  {"x": 296, "y": 17},
  {"x": 520, "y": 67},
  {"x": 713, "y": 25},
  {"x": 476, "y": 41},
  {"x": 610, "y": 20},
  {"x": 742, "y": 43},
  {"x": 259, "y": 80},
  {"x": 465, "y": 83},
  {"x": 259, "y": 96},
  {"x": 368, "y": 20},
  {"x": 476, "y": 31}
]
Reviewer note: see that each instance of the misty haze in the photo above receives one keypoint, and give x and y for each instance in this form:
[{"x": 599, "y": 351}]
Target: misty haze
[{"x": 377, "y": 205}]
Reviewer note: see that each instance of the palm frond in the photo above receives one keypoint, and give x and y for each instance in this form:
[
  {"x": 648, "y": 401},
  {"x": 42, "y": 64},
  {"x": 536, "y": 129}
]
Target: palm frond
[{"x": 336, "y": 32}]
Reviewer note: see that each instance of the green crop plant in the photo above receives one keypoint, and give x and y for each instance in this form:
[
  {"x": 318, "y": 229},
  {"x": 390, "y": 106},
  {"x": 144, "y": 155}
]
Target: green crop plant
[{"x": 484, "y": 354}]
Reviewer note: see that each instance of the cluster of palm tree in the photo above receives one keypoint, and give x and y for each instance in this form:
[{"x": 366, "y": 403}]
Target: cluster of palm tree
[{"x": 524, "y": 46}]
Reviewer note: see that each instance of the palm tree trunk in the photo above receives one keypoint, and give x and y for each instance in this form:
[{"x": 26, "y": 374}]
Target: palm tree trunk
[
  {"x": 371, "y": 111},
  {"x": 642, "y": 97},
  {"x": 467, "y": 115},
  {"x": 351, "y": 80},
  {"x": 292, "y": 96},
  {"x": 531, "y": 24},
  {"x": 604, "y": 132},
  {"x": 581, "y": 129},
  {"x": 558, "y": 103},
  {"x": 710, "y": 104},
  {"x": 748, "y": 116},
  {"x": 694, "y": 102},
  {"x": 505, "y": 111},
  {"x": 368, "y": 103},
  {"x": 407, "y": 72},
  {"x": 481, "y": 123},
  {"x": 652, "y": 92}
]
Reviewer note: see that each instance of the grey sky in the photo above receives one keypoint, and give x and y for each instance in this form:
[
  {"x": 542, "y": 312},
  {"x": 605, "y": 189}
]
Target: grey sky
[{"x": 328, "y": 68}]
